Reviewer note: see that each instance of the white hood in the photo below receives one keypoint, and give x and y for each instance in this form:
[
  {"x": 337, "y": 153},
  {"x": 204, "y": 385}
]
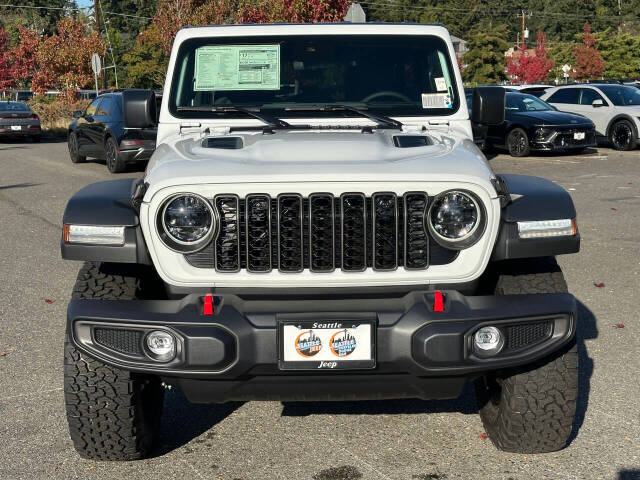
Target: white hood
[{"x": 316, "y": 156}]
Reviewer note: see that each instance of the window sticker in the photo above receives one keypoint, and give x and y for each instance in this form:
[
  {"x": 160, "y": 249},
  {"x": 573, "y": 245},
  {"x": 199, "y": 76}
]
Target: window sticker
[
  {"x": 441, "y": 84},
  {"x": 237, "y": 67},
  {"x": 436, "y": 100}
]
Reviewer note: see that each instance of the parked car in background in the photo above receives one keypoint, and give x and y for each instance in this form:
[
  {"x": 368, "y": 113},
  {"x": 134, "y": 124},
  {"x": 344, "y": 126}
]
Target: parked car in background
[
  {"x": 536, "y": 90},
  {"x": 99, "y": 132},
  {"x": 614, "y": 108},
  {"x": 18, "y": 120},
  {"x": 533, "y": 125}
]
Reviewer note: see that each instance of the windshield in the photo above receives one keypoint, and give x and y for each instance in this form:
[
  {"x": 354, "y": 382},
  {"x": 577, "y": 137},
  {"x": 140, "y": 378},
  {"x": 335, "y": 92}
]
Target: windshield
[
  {"x": 518, "y": 102},
  {"x": 385, "y": 74},
  {"x": 622, "y": 96},
  {"x": 14, "y": 107}
]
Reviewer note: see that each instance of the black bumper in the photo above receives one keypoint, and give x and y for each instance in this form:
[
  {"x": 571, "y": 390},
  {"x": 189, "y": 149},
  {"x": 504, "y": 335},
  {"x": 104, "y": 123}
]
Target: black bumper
[
  {"x": 233, "y": 355},
  {"x": 142, "y": 154}
]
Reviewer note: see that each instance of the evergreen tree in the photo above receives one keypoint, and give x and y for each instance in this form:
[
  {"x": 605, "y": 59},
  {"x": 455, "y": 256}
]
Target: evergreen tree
[
  {"x": 620, "y": 52},
  {"x": 485, "y": 61}
]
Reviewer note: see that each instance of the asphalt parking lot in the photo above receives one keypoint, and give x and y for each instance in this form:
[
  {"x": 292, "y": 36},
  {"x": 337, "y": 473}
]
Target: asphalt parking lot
[{"x": 391, "y": 440}]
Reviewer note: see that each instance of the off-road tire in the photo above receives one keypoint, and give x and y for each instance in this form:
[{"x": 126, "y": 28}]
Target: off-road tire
[
  {"x": 115, "y": 163},
  {"x": 530, "y": 409},
  {"x": 113, "y": 414},
  {"x": 72, "y": 144}
]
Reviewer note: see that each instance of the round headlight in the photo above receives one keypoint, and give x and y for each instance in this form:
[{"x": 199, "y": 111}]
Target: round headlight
[
  {"x": 186, "y": 222},
  {"x": 455, "y": 219}
]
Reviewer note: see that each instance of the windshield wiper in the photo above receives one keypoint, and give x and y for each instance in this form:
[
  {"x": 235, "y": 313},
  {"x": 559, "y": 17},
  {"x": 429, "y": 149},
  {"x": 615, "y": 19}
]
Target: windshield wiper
[
  {"x": 387, "y": 122},
  {"x": 270, "y": 121}
]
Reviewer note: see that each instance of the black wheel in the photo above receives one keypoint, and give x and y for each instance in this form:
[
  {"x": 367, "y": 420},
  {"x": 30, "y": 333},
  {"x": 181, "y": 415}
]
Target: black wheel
[
  {"x": 622, "y": 136},
  {"x": 114, "y": 162},
  {"x": 530, "y": 409},
  {"x": 74, "y": 149},
  {"x": 113, "y": 414},
  {"x": 518, "y": 143}
]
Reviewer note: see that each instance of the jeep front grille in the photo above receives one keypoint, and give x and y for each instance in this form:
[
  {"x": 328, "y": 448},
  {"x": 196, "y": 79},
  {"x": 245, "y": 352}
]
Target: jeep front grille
[{"x": 322, "y": 233}]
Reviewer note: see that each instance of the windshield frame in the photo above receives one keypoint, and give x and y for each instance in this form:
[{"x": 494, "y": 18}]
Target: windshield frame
[{"x": 284, "y": 110}]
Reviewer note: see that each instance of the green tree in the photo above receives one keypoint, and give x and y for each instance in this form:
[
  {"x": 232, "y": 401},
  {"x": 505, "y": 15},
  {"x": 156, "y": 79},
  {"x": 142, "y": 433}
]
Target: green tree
[
  {"x": 146, "y": 63},
  {"x": 561, "y": 54},
  {"x": 620, "y": 53},
  {"x": 485, "y": 61}
]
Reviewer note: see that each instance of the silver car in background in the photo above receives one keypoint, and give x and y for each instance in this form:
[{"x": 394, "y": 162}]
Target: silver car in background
[
  {"x": 18, "y": 120},
  {"x": 614, "y": 108}
]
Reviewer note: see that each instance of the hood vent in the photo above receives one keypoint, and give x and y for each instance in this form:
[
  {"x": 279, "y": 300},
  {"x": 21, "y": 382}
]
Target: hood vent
[
  {"x": 410, "y": 141},
  {"x": 226, "y": 143}
]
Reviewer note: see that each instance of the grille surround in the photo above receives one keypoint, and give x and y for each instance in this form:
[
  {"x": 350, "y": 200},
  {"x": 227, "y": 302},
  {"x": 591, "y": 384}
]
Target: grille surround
[{"x": 323, "y": 222}]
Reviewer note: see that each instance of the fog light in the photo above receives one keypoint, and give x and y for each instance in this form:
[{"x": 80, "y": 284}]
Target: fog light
[
  {"x": 488, "y": 341},
  {"x": 161, "y": 345}
]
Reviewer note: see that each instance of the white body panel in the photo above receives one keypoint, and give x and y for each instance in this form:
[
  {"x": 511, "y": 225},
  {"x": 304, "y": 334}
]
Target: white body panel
[{"x": 308, "y": 161}]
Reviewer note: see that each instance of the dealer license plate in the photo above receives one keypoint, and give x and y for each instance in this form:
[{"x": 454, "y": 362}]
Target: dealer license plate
[
  {"x": 16, "y": 127},
  {"x": 578, "y": 136},
  {"x": 326, "y": 344}
]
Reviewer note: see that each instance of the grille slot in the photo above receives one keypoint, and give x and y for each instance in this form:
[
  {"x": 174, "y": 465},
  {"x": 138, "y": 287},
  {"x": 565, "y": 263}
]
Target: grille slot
[
  {"x": 128, "y": 342},
  {"x": 258, "y": 233},
  {"x": 321, "y": 233},
  {"x": 416, "y": 242},
  {"x": 227, "y": 249},
  {"x": 519, "y": 336},
  {"x": 290, "y": 233},
  {"x": 354, "y": 232},
  {"x": 385, "y": 231}
]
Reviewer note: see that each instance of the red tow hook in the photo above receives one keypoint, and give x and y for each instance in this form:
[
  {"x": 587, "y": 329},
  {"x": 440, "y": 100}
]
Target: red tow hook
[
  {"x": 438, "y": 301},
  {"x": 208, "y": 304}
]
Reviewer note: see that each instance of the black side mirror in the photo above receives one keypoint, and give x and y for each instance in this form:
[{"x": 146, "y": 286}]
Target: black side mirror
[
  {"x": 139, "y": 108},
  {"x": 488, "y": 105},
  {"x": 77, "y": 114}
]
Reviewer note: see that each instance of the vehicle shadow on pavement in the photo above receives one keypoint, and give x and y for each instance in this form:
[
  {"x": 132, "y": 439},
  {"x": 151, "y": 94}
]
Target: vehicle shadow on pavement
[
  {"x": 587, "y": 330},
  {"x": 183, "y": 421},
  {"x": 465, "y": 403},
  {"x": 629, "y": 475}
]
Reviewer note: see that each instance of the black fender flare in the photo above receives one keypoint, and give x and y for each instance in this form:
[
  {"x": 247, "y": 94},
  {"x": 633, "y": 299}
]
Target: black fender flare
[
  {"x": 622, "y": 116},
  {"x": 110, "y": 203},
  {"x": 527, "y": 198}
]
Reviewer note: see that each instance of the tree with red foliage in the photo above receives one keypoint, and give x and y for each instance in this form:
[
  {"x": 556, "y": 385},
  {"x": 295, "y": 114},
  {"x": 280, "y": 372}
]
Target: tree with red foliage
[
  {"x": 518, "y": 64},
  {"x": 24, "y": 55},
  {"x": 172, "y": 15},
  {"x": 589, "y": 63},
  {"x": 7, "y": 75},
  {"x": 64, "y": 59},
  {"x": 527, "y": 68}
]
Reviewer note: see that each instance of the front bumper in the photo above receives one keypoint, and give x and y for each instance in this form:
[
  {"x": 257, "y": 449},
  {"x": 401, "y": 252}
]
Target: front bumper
[
  {"x": 564, "y": 140},
  {"x": 233, "y": 354}
]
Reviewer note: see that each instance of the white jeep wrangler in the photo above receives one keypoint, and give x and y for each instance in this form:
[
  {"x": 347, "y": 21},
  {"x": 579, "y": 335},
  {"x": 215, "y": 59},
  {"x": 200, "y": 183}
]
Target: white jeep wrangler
[{"x": 317, "y": 223}]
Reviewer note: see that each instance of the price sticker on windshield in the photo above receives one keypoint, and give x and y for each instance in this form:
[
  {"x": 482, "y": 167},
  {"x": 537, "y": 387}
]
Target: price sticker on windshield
[
  {"x": 237, "y": 67},
  {"x": 436, "y": 100}
]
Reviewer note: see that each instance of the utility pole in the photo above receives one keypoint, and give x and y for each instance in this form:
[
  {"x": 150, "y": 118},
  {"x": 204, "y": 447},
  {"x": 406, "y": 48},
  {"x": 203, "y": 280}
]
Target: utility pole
[
  {"x": 97, "y": 18},
  {"x": 522, "y": 37}
]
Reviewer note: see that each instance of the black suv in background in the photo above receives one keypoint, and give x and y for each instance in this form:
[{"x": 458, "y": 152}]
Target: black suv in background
[{"x": 99, "y": 132}]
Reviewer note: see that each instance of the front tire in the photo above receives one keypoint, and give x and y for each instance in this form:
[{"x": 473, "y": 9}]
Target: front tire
[
  {"x": 530, "y": 409},
  {"x": 518, "y": 143},
  {"x": 622, "y": 135},
  {"x": 113, "y": 414}
]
